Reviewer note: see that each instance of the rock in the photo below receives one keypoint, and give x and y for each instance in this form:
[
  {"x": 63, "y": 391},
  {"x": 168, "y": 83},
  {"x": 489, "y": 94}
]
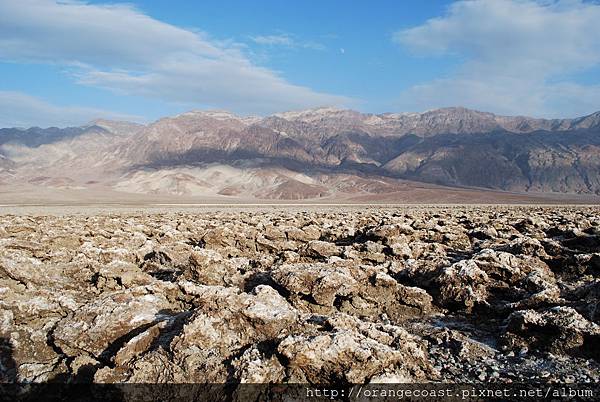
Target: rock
[
  {"x": 586, "y": 300},
  {"x": 462, "y": 346},
  {"x": 352, "y": 354},
  {"x": 8, "y": 374},
  {"x": 208, "y": 267},
  {"x": 246, "y": 318},
  {"x": 319, "y": 281},
  {"x": 484, "y": 233},
  {"x": 322, "y": 249},
  {"x": 258, "y": 367},
  {"x": 559, "y": 330},
  {"x": 304, "y": 294},
  {"x": 101, "y": 326},
  {"x": 462, "y": 286},
  {"x": 402, "y": 250}
]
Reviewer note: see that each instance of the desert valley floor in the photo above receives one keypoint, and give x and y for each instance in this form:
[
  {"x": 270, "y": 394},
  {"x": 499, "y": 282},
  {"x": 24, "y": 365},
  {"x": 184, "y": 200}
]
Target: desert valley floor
[{"x": 300, "y": 294}]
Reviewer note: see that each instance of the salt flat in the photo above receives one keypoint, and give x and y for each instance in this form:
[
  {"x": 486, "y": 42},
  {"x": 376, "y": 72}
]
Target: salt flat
[{"x": 302, "y": 293}]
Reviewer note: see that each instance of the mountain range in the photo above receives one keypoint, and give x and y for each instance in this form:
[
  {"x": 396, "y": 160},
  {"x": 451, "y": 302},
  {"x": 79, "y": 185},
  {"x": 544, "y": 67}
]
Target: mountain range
[{"x": 322, "y": 153}]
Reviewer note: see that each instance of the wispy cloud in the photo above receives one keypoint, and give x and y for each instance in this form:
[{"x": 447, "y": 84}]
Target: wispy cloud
[
  {"x": 286, "y": 40},
  {"x": 21, "y": 110},
  {"x": 518, "y": 55},
  {"x": 273, "y": 40},
  {"x": 119, "y": 48}
]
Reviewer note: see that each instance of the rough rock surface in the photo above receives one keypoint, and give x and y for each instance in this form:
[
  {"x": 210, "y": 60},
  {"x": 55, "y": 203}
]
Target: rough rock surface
[{"x": 500, "y": 294}]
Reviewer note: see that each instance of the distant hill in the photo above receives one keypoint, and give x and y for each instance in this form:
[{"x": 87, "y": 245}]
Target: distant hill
[{"x": 310, "y": 154}]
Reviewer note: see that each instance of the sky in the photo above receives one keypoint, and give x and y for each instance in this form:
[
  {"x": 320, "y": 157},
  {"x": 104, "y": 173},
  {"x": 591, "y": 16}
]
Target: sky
[{"x": 67, "y": 62}]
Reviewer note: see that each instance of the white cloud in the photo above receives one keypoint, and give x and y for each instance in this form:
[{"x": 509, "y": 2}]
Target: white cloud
[
  {"x": 119, "y": 48},
  {"x": 516, "y": 55},
  {"x": 271, "y": 40},
  {"x": 21, "y": 110},
  {"x": 285, "y": 40}
]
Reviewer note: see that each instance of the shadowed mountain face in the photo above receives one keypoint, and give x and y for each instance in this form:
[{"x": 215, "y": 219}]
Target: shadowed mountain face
[
  {"x": 541, "y": 161},
  {"x": 35, "y": 136},
  {"x": 315, "y": 153}
]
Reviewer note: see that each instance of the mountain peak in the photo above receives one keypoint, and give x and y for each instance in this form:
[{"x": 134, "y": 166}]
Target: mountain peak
[
  {"x": 458, "y": 111},
  {"x": 314, "y": 113},
  {"x": 220, "y": 115},
  {"x": 114, "y": 126},
  {"x": 589, "y": 121},
  {"x": 216, "y": 114}
]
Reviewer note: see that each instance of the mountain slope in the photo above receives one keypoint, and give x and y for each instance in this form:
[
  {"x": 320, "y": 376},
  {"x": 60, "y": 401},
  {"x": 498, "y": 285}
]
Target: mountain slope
[
  {"x": 316, "y": 153},
  {"x": 541, "y": 161}
]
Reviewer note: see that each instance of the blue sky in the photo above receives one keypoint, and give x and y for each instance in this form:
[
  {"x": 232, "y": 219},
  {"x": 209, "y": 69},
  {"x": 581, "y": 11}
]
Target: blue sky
[{"x": 67, "y": 62}]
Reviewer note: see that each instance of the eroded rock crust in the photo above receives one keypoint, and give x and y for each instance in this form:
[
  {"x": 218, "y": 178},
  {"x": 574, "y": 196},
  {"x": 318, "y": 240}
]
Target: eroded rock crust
[{"x": 406, "y": 294}]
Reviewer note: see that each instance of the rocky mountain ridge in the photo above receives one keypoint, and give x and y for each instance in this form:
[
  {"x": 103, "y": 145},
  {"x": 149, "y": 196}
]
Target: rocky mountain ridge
[{"x": 311, "y": 153}]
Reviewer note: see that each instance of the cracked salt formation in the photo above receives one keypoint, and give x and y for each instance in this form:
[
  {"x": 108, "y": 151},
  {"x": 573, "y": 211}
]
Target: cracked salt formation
[{"x": 380, "y": 294}]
